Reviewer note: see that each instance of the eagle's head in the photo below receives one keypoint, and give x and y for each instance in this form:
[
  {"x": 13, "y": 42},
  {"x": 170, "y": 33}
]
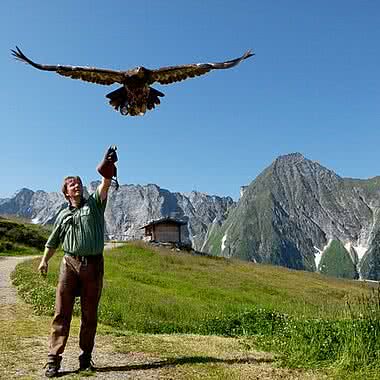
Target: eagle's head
[{"x": 141, "y": 71}]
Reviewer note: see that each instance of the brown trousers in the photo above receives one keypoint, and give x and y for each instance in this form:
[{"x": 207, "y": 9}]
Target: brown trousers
[{"x": 83, "y": 278}]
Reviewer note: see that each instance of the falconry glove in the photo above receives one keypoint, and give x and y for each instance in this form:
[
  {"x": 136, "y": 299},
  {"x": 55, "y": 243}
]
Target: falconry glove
[
  {"x": 111, "y": 154},
  {"x": 107, "y": 168}
]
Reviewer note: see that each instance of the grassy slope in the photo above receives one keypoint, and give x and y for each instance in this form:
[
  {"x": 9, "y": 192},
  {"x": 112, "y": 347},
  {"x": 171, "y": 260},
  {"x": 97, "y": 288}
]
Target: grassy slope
[
  {"x": 144, "y": 285},
  {"x": 336, "y": 261},
  {"x": 19, "y": 238}
]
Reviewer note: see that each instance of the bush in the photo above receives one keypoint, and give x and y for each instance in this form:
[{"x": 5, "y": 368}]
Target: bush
[
  {"x": 6, "y": 246},
  {"x": 22, "y": 234}
]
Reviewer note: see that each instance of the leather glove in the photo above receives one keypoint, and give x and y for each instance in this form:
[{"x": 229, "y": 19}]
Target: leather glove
[
  {"x": 106, "y": 167},
  {"x": 111, "y": 154}
]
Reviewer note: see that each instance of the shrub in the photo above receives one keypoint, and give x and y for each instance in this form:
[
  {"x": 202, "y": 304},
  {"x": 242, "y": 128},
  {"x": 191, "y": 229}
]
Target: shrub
[{"x": 6, "y": 246}]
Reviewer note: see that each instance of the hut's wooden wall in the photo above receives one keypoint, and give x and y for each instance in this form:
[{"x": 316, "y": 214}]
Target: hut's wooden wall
[{"x": 167, "y": 232}]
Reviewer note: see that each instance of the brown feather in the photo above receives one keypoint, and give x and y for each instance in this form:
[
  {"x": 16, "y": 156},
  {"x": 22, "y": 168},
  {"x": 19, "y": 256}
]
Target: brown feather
[
  {"x": 88, "y": 74},
  {"x": 170, "y": 74}
]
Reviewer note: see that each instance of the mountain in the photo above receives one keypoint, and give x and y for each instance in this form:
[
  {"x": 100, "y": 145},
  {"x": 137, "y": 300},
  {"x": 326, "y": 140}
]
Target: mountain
[
  {"x": 299, "y": 214},
  {"x": 128, "y": 209},
  {"x": 296, "y": 214}
]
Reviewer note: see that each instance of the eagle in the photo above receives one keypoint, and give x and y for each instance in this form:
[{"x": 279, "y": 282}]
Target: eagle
[{"x": 136, "y": 95}]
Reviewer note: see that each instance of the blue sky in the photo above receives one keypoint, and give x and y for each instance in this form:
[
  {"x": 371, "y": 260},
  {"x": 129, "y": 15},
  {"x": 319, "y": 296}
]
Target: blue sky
[{"x": 312, "y": 87}]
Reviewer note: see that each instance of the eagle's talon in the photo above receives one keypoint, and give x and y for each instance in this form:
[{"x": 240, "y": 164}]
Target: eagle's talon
[{"x": 124, "y": 110}]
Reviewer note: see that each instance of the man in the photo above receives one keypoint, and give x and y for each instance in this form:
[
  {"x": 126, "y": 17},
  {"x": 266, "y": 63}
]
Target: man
[{"x": 80, "y": 230}]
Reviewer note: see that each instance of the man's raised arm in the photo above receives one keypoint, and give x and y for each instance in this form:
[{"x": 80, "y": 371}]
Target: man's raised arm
[{"x": 104, "y": 187}]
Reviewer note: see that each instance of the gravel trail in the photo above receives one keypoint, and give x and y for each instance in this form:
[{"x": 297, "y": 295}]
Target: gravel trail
[{"x": 8, "y": 293}]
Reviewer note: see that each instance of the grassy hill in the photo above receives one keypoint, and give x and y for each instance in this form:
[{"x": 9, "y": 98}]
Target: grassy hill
[
  {"x": 310, "y": 319},
  {"x": 17, "y": 237},
  {"x": 176, "y": 288}
]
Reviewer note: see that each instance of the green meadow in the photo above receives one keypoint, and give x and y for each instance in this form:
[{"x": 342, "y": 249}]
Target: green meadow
[{"x": 308, "y": 320}]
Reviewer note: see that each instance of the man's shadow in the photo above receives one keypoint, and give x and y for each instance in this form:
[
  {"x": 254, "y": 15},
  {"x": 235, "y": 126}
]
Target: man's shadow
[{"x": 172, "y": 362}]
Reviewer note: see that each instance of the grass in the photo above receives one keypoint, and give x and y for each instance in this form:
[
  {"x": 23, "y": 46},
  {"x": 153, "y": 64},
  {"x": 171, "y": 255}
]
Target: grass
[
  {"x": 336, "y": 261},
  {"x": 121, "y": 354},
  {"x": 310, "y": 320},
  {"x": 175, "y": 289}
]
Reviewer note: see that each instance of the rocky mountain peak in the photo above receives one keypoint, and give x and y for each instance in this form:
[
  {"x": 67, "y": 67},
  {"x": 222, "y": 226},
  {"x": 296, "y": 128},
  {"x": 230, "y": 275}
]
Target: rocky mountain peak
[
  {"x": 293, "y": 209},
  {"x": 290, "y": 158},
  {"x": 296, "y": 163}
]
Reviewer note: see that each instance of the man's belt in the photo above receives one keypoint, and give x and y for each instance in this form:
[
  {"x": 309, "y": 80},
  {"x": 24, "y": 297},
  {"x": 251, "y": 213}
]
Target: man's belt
[{"x": 84, "y": 259}]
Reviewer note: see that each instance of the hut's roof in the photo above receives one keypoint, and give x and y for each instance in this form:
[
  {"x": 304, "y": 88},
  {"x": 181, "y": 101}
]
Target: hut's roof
[{"x": 165, "y": 220}]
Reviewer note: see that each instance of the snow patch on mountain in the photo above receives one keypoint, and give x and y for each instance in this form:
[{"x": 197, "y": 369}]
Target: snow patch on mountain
[
  {"x": 318, "y": 255},
  {"x": 223, "y": 242}
]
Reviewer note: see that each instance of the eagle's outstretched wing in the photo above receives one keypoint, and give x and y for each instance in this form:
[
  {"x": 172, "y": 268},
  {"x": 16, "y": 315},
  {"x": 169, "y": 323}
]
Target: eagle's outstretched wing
[
  {"x": 88, "y": 74},
  {"x": 166, "y": 75}
]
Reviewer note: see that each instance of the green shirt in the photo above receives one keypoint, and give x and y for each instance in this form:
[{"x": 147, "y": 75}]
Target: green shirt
[{"x": 80, "y": 230}]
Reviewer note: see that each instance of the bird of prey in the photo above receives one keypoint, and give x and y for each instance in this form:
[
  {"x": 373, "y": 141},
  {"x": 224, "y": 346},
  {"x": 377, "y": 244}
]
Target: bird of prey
[{"x": 135, "y": 96}]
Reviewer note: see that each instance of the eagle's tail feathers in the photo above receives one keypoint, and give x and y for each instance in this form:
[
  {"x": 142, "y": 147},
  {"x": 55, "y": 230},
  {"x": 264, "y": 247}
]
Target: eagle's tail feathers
[
  {"x": 118, "y": 99},
  {"x": 153, "y": 98}
]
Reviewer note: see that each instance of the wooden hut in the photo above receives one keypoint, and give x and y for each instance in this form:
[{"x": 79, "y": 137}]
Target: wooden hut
[{"x": 165, "y": 230}]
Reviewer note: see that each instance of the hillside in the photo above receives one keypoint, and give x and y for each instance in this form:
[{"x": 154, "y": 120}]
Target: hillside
[
  {"x": 336, "y": 261},
  {"x": 18, "y": 237},
  {"x": 150, "y": 289}
]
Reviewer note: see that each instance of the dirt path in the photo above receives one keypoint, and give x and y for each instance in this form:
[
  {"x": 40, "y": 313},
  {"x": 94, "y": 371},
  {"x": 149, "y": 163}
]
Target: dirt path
[
  {"x": 24, "y": 343},
  {"x": 8, "y": 294}
]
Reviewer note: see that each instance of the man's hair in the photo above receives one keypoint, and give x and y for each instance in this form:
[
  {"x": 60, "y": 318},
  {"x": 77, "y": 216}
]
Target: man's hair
[{"x": 67, "y": 180}]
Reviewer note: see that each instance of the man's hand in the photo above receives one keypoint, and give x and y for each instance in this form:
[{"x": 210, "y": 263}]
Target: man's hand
[{"x": 43, "y": 267}]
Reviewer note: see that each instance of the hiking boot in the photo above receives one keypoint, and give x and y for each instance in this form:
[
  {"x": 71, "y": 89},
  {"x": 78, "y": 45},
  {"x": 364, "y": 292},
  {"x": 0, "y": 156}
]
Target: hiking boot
[
  {"x": 85, "y": 362},
  {"x": 53, "y": 365}
]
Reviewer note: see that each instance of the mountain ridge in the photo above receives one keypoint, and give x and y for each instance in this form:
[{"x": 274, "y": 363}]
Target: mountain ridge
[{"x": 128, "y": 209}]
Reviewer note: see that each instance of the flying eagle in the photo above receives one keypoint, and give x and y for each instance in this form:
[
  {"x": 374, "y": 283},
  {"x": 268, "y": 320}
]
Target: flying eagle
[{"x": 135, "y": 96}]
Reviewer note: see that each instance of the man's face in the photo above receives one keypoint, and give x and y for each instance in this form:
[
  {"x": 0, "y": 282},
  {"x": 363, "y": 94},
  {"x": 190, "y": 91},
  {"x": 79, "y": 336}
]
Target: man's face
[{"x": 73, "y": 189}]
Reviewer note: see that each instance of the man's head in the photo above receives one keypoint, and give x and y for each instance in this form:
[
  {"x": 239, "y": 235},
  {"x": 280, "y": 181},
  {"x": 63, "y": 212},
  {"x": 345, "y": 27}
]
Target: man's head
[{"x": 72, "y": 189}]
